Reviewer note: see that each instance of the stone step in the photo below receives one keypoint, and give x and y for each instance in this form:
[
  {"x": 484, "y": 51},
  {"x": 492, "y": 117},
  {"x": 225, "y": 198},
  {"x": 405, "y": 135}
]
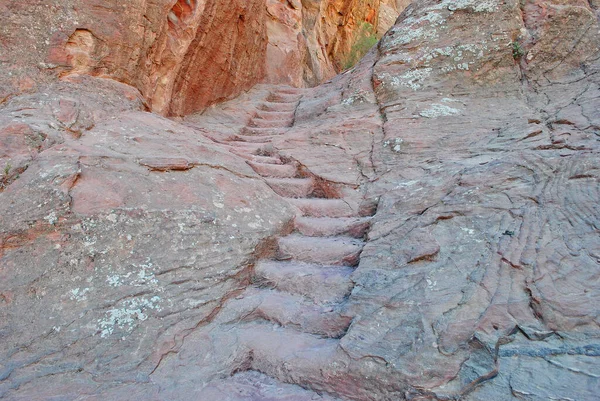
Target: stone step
[
  {"x": 277, "y": 351},
  {"x": 338, "y": 251},
  {"x": 287, "y": 116},
  {"x": 321, "y": 284},
  {"x": 276, "y": 106},
  {"x": 293, "y": 311},
  {"x": 251, "y": 139},
  {"x": 258, "y": 131},
  {"x": 291, "y": 187},
  {"x": 258, "y": 149},
  {"x": 281, "y": 97},
  {"x": 274, "y": 170},
  {"x": 255, "y": 386},
  {"x": 319, "y": 207},
  {"x": 260, "y": 123},
  {"x": 328, "y": 227},
  {"x": 257, "y": 159}
]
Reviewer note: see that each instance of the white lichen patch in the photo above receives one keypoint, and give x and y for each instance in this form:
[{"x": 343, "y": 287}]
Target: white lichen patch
[
  {"x": 477, "y": 6},
  {"x": 470, "y": 231},
  {"x": 112, "y": 218},
  {"x": 52, "y": 219},
  {"x": 394, "y": 144},
  {"x": 140, "y": 275},
  {"x": 78, "y": 294},
  {"x": 357, "y": 97},
  {"x": 431, "y": 284},
  {"x": 127, "y": 316},
  {"x": 413, "y": 79},
  {"x": 405, "y": 34},
  {"x": 460, "y": 57},
  {"x": 431, "y": 18},
  {"x": 114, "y": 281},
  {"x": 438, "y": 110}
]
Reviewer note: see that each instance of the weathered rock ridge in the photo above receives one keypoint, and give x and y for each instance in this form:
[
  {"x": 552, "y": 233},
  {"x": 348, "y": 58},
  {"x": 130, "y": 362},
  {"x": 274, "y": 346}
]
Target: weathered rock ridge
[
  {"x": 182, "y": 55},
  {"x": 424, "y": 226}
]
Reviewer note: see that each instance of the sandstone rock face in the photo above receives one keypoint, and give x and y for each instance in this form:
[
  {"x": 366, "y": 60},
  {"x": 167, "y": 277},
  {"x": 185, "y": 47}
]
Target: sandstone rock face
[
  {"x": 181, "y": 55},
  {"x": 478, "y": 279},
  {"x": 154, "y": 45},
  {"x": 311, "y": 41},
  {"x": 422, "y": 227},
  {"x": 120, "y": 230}
]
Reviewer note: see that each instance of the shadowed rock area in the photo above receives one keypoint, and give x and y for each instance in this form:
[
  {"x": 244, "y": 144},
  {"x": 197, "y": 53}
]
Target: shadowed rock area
[{"x": 424, "y": 226}]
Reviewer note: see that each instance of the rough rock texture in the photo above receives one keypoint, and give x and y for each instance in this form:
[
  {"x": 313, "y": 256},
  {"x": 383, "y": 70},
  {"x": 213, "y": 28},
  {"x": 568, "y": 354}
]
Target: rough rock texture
[
  {"x": 479, "y": 279},
  {"x": 311, "y": 41},
  {"x": 149, "y": 44},
  {"x": 121, "y": 232},
  {"x": 423, "y": 227},
  {"x": 389, "y": 10},
  {"x": 182, "y": 55}
]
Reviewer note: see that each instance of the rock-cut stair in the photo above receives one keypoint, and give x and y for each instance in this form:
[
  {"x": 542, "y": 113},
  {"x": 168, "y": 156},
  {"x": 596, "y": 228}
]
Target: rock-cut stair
[{"x": 293, "y": 313}]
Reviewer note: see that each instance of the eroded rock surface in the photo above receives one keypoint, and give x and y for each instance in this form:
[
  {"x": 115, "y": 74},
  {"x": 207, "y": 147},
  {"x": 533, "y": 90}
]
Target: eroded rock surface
[
  {"x": 422, "y": 227},
  {"x": 116, "y": 240},
  {"x": 182, "y": 55},
  {"x": 149, "y": 44},
  {"x": 312, "y": 41}
]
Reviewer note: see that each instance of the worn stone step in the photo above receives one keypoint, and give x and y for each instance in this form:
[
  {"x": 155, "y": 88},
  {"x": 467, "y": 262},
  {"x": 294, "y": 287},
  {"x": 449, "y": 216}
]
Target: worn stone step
[
  {"x": 328, "y": 227},
  {"x": 258, "y": 149},
  {"x": 287, "y": 116},
  {"x": 294, "y": 311},
  {"x": 319, "y": 207},
  {"x": 321, "y": 284},
  {"x": 291, "y": 187},
  {"x": 255, "y": 386},
  {"x": 282, "y": 97},
  {"x": 252, "y": 138},
  {"x": 275, "y": 170},
  {"x": 260, "y": 123},
  {"x": 257, "y": 159},
  {"x": 340, "y": 251},
  {"x": 278, "y": 107},
  {"x": 259, "y": 131},
  {"x": 276, "y": 351}
]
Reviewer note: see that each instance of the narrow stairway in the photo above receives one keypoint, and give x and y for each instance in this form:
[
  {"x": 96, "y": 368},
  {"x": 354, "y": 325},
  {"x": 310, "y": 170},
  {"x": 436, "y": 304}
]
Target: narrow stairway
[{"x": 293, "y": 314}]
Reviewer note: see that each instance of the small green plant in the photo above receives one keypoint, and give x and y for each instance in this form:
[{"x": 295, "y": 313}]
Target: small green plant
[
  {"x": 7, "y": 169},
  {"x": 366, "y": 38},
  {"x": 517, "y": 50}
]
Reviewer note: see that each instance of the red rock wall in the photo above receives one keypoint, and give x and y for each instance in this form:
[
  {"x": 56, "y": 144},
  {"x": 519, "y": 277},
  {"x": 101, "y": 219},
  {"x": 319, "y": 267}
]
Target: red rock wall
[
  {"x": 209, "y": 49},
  {"x": 182, "y": 55},
  {"x": 225, "y": 58},
  {"x": 310, "y": 41}
]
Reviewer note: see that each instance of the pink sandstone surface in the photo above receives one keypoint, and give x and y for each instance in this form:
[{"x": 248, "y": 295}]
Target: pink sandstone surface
[{"x": 424, "y": 226}]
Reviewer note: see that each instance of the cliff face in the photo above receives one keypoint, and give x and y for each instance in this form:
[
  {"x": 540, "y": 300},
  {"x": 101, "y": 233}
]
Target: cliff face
[
  {"x": 182, "y": 55},
  {"x": 311, "y": 41},
  {"x": 423, "y": 227},
  {"x": 153, "y": 45}
]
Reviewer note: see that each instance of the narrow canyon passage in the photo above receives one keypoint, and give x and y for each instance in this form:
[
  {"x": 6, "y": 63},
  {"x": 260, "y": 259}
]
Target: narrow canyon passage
[{"x": 286, "y": 325}]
